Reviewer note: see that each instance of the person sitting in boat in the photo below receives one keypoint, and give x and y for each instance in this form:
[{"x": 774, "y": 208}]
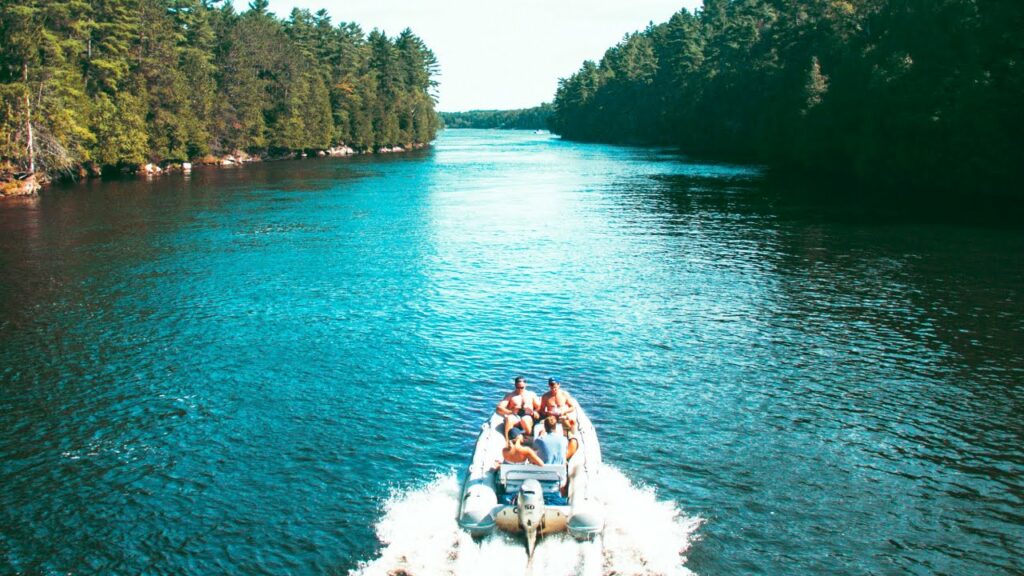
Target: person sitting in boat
[
  {"x": 519, "y": 408},
  {"x": 516, "y": 453},
  {"x": 551, "y": 444},
  {"x": 557, "y": 402},
  {"x": 573, "y": 443}
]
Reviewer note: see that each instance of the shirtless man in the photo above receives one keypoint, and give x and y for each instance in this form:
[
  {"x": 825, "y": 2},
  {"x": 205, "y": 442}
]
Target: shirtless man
[
  {"x": 519, "y": 408},
  {"x": 557, "y": 402},
  {"x": 516, "y": 453}
]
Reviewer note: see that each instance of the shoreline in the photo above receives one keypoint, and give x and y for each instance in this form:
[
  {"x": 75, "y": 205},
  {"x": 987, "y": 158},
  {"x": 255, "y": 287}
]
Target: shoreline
[{"x": 20, "y": 184}]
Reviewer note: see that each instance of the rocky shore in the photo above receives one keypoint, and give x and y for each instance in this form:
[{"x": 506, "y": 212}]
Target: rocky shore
[
  {"x": 21, "y": 184},
  {"x": 14, "y": 183}
]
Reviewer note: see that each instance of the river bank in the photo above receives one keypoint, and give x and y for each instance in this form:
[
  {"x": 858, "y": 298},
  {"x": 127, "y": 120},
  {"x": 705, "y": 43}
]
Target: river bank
[{"x": 14, "y": 183}]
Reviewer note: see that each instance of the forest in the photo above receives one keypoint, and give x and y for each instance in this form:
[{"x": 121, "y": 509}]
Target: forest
[
  {"x": 535, "y": 118},
  {"x": 118, "y": 83},
  {"x": 890, "y": 96}
]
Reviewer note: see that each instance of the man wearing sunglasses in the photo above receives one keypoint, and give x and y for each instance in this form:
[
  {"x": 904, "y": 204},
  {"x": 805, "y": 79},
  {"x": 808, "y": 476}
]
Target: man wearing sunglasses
[{"x": 519, "y": 408}]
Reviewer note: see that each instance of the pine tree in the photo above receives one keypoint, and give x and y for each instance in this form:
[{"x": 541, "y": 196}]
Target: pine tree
[
  {"x": 317, "y": 112},
  {"x": 120, "y": 82},
  {"x": 384, "y": 62},
  {"x": 253, "y": 69},
  {"x": 120, "y": 128},
  {"x": 195, "y": 55},
  {"x": 45, "y": 109},
  {"x": 23, "y": 33}
]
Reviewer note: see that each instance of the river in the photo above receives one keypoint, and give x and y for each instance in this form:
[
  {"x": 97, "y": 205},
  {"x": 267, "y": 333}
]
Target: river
[{"x": 281, "y": 368}]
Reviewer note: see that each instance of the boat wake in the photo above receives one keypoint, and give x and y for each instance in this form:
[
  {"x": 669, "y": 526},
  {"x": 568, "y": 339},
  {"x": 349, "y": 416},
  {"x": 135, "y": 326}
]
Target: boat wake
[{"x": 419, "y": 536}]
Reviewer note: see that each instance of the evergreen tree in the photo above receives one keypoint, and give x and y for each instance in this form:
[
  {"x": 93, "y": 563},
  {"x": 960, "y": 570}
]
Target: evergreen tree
[
  {"x": 195, "y": 53},
  {"x": 120, "y": 127},
  {"x": 43, "y": 125},
  {"x": 121, "y": 82},
  {"x": 534, "y": 118},
  {"x": 255, "y": 65},
  {"x": 915, "y": 94},
  {"x": 113, "y": 44},
  {"x": 389, "y": 97},
  {"x": 317, "y": 112},
  {"x": 417, "y": 65}
]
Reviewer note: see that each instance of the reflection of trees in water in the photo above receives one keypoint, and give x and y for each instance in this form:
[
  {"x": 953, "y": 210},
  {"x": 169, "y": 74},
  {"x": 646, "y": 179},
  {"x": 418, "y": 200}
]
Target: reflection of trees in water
[
  {"x": 945, "y": 293},
  {"x": 889, "y": 345}
]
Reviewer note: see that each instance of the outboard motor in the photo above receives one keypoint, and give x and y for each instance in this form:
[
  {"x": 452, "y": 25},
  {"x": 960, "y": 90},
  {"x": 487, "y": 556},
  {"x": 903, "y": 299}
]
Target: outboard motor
[{"x": 530, "y": 509}]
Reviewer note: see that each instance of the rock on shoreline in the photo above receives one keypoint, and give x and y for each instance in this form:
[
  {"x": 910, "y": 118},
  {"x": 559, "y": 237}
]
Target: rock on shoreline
[
  {"x": 340, "y": 151},
  {"x": 22, "y": 184}
]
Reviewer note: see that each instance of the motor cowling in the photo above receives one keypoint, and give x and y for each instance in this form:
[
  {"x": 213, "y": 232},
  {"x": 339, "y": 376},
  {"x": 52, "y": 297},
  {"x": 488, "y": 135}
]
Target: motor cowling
[{"x": 530, "y": 510}]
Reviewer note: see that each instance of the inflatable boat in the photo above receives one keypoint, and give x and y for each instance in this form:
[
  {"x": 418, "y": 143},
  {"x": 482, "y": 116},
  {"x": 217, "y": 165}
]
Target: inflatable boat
[{"x": 529, "y": 499}]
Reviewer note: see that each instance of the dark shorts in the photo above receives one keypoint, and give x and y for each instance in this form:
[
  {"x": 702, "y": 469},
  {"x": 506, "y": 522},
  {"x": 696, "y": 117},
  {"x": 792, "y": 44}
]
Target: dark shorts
[
  {"x": 518, "y": 416},
  {"x": 562, "y": 418}
]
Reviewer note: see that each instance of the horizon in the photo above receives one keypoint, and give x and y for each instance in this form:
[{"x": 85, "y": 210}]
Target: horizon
[{"x": 486, "y": 69}]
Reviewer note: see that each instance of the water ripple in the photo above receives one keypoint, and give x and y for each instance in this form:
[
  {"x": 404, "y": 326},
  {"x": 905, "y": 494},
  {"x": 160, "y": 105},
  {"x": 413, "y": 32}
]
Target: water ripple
[{"x": 250, "y": 371}]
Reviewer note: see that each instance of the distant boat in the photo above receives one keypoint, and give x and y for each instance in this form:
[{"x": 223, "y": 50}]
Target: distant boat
[
  {"x": 540, "y": 132},
  {"x": 526, "y": 498}
]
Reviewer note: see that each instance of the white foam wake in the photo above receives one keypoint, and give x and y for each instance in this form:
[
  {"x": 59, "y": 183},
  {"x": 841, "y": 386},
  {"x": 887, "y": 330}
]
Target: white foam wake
[{"x": 420, "y": 536}]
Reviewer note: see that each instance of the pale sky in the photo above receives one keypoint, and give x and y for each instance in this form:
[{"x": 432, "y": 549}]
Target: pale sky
[{"x": 500, "y": 54}]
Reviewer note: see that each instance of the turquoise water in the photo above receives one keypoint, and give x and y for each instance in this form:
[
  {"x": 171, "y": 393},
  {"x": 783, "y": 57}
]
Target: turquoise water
[{"x": 280, "y": 369}]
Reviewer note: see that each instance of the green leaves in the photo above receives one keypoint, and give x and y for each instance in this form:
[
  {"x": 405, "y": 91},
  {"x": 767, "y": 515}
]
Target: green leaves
[
  {"x": 129, "y": 81},
  {"x": 916, "y": 94},
  {"x": 120, "y": 129}
]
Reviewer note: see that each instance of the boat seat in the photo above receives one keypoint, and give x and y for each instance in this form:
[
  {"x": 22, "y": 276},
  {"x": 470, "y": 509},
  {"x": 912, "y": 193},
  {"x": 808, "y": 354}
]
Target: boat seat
[
  {"x": 550, "y": 499},
  {"x": 550, "y": 476}
]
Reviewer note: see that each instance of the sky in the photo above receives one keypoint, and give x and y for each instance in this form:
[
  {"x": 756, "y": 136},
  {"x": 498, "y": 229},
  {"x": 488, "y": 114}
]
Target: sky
[{"x": 500, "y": 54}]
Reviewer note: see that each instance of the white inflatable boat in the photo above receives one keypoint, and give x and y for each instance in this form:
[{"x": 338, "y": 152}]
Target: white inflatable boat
[{"x": 528, "y": 499}]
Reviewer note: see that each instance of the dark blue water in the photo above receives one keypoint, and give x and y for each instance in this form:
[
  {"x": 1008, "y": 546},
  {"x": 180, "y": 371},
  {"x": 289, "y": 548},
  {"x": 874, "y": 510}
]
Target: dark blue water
[{"x": 278, "y": 369}]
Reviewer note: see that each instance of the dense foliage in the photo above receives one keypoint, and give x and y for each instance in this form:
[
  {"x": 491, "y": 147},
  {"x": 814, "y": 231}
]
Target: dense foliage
[
  {"x": 535, "y": 118},
  {"x": 116, "y": 82},
  {"x": 918, "y": 94}
]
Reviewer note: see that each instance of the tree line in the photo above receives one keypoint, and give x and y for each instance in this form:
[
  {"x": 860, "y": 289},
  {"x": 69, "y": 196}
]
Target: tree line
[
  {"x": 535, "y": 118},
  {"x": 923, "y": 95},
  {"x": 124, "y": 82}
]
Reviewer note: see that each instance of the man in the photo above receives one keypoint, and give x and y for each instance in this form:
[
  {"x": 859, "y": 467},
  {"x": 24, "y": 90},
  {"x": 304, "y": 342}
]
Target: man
[
  {"x": 516, "y": 453},
  {"x": 557, "y": 402},
  {"x": 551, "y": 446},
  {"x": 519, "y": 408}
]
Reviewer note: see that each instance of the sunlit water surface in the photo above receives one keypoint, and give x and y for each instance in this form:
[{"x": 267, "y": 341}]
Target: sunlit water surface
[{"x": 281, "y": 369}]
